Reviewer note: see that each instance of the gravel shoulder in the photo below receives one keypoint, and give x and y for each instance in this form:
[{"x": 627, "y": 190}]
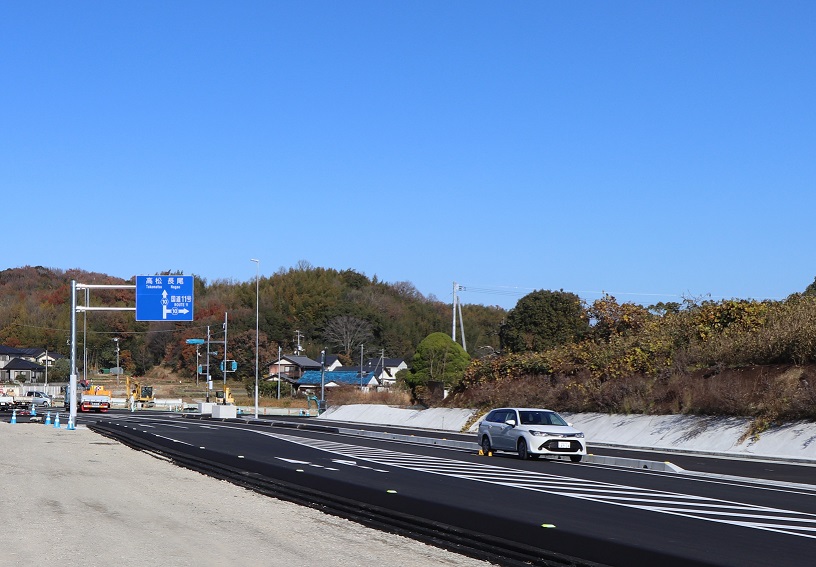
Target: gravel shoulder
[{"x": 75, "y": 495}]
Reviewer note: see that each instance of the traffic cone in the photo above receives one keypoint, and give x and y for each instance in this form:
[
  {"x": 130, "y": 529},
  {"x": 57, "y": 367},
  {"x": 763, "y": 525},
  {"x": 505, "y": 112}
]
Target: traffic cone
[
  {"x": 33, "y": 409},
  {"x": 48, "y": 418},
  {"x": 71, "y": 426},
  {"x": 13, "y": 416},
  {"x": 56, "y": 421}
]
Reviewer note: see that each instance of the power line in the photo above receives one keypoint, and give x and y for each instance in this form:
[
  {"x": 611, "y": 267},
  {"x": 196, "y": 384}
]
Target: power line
[{"x": 518, "y": 291}]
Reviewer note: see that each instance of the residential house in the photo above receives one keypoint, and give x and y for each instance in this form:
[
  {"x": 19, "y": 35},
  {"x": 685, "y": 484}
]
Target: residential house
[
  {"x": 311, "y": 379},
  {"x": 291, "y": 367},
  {"x": 385, "y": 369},
  {"x": 21, "y": 364}
]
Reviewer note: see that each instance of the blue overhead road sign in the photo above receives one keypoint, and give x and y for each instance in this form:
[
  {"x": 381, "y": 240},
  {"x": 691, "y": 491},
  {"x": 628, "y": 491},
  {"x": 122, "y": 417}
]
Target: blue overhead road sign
[{"x": 164, "y": 298}]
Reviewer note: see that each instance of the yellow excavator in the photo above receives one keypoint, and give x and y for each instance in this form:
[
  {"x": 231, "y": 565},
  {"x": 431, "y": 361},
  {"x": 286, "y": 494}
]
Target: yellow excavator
[
  {"x": 142, "y": 395},
  {"x": 225, "y": 397}
]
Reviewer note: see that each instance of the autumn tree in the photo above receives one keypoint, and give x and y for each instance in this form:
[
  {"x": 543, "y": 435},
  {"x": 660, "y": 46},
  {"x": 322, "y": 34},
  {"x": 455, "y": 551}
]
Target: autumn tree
[{"x": 347, "y": 332}]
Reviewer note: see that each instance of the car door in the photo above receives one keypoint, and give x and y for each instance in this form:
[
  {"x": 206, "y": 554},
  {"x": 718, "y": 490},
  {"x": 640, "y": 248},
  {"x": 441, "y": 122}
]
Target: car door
[
  {"x": 503, "y": 436},
  {"x": 511, "y": 433}
]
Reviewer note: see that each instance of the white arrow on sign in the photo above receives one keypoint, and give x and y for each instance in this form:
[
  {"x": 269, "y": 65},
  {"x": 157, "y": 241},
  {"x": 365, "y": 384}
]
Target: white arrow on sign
[{"x": 165, "y": 311}]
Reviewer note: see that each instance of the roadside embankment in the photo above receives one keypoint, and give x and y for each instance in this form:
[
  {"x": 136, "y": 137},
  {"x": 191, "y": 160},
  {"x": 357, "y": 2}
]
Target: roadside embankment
[{"x": 684, "y": 433}]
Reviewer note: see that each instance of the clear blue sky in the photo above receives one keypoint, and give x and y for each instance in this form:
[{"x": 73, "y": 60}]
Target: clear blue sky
[{"x": 647, "y": 149}]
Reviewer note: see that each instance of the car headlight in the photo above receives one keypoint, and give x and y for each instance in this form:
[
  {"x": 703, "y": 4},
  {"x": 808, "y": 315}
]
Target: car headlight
[
  {"x": 579, "y": 434},
  {"x": 538, "y": 434}
]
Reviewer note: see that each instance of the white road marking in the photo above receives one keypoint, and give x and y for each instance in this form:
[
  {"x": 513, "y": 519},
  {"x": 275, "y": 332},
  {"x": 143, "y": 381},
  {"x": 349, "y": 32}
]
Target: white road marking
[
  {"x": 690, "y": 506},
  {"x": 173, "y": 440}
]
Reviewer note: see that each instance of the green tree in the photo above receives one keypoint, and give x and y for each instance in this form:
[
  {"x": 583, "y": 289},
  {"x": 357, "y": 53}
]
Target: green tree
[
  {"x": 437, "y": 358},
  {"x": 811, "y": 289},
  {"x": 542, "y": 320},
  {"x": 60, "y": 371}
]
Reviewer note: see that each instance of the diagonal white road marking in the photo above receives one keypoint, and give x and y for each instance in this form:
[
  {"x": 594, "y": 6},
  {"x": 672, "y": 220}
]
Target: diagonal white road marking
[{"x": 690, "y": 506}]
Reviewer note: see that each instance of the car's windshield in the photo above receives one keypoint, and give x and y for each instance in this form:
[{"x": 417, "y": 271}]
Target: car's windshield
[{"x": 540, "y": 418}]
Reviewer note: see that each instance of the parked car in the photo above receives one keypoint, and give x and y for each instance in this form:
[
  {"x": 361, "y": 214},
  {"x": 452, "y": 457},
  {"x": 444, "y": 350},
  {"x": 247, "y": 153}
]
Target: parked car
[
  {"x": 530, "y": 433},
  {"x": 38, "y": 399}
]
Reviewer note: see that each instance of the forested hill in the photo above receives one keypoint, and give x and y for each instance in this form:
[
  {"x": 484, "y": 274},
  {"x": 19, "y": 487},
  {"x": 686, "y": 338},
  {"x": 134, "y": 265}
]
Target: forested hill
[{"x": 335, "y": 310}]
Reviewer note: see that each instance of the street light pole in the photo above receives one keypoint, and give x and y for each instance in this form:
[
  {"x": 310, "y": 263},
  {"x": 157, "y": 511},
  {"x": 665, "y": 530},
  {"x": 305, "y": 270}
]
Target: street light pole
[
  {"x": 257, "y": 308},
  {"x": 279, "y": 370},
  {"x": 322, "y": 380},
  {"x": 116, "y": 340},
  {"x": 209, "y": 383},
  {"x": 361, "y": 367}
]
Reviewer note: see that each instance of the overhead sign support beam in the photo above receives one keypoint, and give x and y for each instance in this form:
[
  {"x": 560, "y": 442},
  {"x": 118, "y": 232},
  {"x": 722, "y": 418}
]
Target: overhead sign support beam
[
  {"x": 72, "y": 384},
  {"x": 165, "y": 298}
]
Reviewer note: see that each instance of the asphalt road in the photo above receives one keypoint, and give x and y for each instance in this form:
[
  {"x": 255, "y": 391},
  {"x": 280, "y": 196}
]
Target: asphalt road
[
  {"x": 608, "y": 515},
  {"x": 776, "y": 470}
]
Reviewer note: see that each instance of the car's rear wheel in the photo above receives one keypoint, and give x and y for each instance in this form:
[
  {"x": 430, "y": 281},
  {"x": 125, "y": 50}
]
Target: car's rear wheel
[
  {"x": 576, "y": 458},
  {"x": 521, "y": 448},
  {"x": 486, "y": 449}
]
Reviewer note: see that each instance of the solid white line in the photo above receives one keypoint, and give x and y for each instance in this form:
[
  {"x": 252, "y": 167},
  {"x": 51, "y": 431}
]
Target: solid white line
[{"x": 173, "y": 440}]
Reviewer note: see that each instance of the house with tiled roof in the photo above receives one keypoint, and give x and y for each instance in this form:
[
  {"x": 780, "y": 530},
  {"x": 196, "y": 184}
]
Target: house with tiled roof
[
  {"x": 311, "y": 379},
  {"x": 385, "y": 369},
  {"x": 291, "y": 367},
  {"x": 25, "y": 364}
]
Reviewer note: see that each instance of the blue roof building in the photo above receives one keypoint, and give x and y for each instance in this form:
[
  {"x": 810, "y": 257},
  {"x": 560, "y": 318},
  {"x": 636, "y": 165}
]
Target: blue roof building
[{"x": 335, "y": 378}]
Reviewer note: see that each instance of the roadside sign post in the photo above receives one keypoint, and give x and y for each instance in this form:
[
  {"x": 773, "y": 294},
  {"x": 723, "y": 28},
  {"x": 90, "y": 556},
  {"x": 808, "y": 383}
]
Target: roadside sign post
[{"x": 158, "y": 298}]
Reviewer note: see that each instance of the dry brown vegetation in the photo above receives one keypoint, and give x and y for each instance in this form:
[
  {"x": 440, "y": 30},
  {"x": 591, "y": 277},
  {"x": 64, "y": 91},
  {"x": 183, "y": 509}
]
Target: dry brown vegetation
[{"x": 734, "y": 357}]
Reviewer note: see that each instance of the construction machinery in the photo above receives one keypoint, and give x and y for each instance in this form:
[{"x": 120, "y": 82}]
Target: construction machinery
[
  {"x": 139, "y": 395},
  {"x": 224, "y": 397}
]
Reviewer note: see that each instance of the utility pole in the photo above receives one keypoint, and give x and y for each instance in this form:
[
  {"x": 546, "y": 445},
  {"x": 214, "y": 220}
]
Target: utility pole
[
  {"x": 116, "y": 340},
  {"x": 322, "y": 380},
  {"x": 298, "y": 348},
  {"x": 382, "y": 365},
  {"x": 361, "y": 367},
  {"x": 453, "y": 306},
  {"x": 457, "y": 305}
]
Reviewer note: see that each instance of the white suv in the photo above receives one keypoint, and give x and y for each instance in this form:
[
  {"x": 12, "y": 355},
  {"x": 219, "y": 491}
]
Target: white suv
[{"x": 531, "y": 433}]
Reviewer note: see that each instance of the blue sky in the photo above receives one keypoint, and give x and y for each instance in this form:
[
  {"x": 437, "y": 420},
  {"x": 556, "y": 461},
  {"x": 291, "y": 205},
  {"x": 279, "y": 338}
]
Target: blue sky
[{"x": 647, "y": 149}]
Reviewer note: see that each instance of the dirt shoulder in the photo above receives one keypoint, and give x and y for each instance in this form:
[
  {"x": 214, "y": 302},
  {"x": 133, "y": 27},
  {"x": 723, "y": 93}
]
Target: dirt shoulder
[{"x": 85, "y": 496}]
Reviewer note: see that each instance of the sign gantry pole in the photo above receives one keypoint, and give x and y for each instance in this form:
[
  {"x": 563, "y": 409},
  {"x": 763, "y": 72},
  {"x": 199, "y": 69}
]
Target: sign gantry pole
[
  {"x": 71, "y": 393},
  {"x": 158, "y": 298}
]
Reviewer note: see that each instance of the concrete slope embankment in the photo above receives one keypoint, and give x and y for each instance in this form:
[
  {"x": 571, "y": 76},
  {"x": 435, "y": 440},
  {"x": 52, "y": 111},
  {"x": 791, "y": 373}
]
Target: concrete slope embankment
[{"x": 681, "y": 433}]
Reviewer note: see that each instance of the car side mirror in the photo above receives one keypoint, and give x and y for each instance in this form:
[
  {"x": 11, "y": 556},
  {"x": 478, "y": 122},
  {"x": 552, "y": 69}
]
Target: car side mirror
[
  {"x": 511, "y": 422},
  {"x": 569, "y": 424}
]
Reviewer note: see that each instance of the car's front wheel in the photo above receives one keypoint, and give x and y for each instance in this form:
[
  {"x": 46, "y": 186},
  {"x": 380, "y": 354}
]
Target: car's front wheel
[
  {"x": 486, "y": 449},
  {"x": 521, "y": 448},
  {"x": 576, "y": 458}
]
